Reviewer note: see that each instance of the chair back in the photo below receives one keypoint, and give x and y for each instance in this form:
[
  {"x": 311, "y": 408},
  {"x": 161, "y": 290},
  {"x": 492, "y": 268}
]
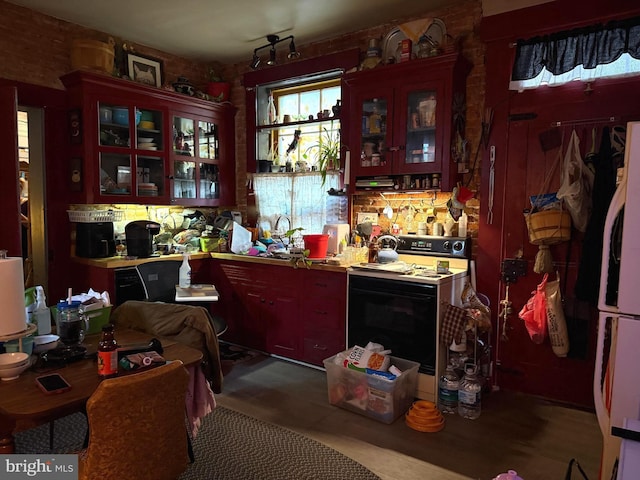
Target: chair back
[
  {"x": 159, "y": 279},
  {"x": 137, "y": 426}
]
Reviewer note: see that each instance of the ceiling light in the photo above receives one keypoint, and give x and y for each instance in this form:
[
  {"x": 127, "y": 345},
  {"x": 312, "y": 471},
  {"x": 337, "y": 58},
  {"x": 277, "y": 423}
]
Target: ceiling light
[
  {"x": 272, "y": 57},
  {"x": 293, "y": 53},
  {"x": 273, "y": 41},
  {"x": 255, "y": 61}
]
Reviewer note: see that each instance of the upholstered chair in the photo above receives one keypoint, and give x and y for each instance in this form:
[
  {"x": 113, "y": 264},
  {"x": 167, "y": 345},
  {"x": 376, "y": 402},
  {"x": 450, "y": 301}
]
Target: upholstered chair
[{"x": 137, "y": 426}]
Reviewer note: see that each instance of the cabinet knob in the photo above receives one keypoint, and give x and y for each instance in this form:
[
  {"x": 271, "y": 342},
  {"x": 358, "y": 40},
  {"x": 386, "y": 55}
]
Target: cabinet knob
[
  {"x": 170, "y": 177},
  {"x": 319, "y": 347},
  {"x": 393, "y": 149}
]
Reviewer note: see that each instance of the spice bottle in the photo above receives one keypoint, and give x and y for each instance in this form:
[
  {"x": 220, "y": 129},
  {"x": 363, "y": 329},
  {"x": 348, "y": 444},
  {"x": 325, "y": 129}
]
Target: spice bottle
[{"x": 107, "y": 353}]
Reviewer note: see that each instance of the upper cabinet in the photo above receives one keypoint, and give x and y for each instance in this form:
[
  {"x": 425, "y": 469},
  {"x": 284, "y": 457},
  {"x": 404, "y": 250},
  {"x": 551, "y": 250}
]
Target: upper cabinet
[
  {"x": 131, "y": 143},
  {"x": 407, "y": 119}
]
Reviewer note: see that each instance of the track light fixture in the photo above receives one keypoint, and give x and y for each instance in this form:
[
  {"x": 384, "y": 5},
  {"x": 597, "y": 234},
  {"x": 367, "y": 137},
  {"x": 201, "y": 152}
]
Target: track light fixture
[{"x": 273, "y": 41}]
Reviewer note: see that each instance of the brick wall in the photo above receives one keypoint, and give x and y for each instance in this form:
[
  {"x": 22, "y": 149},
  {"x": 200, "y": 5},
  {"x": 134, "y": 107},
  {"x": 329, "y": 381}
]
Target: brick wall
[{"x": 36, "y": 49}]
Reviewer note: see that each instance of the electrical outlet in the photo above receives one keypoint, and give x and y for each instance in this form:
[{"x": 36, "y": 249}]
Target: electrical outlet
[{"x": 512, "y": 268}]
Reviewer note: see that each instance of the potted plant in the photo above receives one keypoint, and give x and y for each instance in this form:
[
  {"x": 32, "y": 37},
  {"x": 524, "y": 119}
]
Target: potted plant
[
  {"x": 217, "y": 89},
  {"x": 326, "y": 153}
]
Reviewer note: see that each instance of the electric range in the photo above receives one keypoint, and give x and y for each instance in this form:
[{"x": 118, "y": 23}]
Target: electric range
[{"x": 401, "y": 304}]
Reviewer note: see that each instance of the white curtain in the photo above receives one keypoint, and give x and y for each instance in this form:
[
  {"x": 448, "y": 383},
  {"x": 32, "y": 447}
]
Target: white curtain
[{"x": 299, "y": 198}]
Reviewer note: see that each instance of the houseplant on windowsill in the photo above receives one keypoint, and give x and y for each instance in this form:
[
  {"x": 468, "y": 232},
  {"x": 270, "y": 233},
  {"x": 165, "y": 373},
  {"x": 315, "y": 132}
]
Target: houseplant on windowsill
[
  {"x": 217, "y": 89},
  {"x": 326, "y": 153}
]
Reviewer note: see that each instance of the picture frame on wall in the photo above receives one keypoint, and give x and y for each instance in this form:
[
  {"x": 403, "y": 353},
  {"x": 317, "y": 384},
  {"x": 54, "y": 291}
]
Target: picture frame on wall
[{"x": 143, "y": 69}]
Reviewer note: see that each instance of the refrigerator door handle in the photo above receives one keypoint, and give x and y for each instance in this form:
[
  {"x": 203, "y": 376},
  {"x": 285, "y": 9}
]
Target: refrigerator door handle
[
  {"x": 602, "y": 413},
  {"x": 616, "y": 205}
]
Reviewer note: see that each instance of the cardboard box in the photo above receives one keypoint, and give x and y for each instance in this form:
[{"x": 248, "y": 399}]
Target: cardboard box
[{"x": 372, "y": 395}]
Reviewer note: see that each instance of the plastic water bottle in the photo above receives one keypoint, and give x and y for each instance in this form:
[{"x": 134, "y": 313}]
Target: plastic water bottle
[
  {"x": 184, "y": 275},
  {"x": 42, "y": 315},
  {"x": 448, "y": 390},
  {"x": 469, "y": 393}
]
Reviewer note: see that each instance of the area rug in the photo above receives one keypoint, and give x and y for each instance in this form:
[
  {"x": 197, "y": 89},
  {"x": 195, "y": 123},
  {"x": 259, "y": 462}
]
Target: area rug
[{"x": 229, "y": 446}]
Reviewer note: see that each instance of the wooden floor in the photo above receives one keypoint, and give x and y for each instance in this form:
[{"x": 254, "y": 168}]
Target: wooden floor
[{"x": 533, "y": 437}]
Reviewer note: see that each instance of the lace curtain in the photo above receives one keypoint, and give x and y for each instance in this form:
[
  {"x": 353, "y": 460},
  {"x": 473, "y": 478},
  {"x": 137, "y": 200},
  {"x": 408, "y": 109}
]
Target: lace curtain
[
  {"x": 583, "y": 54},
  {"x": 298, "y": 197}
]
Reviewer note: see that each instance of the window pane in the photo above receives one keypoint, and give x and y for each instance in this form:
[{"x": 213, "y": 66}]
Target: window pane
[{"x": 309, "y": 104}]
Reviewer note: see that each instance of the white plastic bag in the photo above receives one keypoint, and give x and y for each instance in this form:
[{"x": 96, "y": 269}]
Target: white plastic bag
[
  {"x": 577, "y": 185},
  {"x": 556, "y": 321}
]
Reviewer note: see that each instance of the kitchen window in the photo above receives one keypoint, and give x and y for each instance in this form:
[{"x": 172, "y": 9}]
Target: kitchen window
[{"x": 290, "y": 185}]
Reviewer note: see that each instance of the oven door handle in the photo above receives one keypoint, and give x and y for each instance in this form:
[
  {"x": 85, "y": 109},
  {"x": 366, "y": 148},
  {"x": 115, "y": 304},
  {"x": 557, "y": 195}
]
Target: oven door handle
[{"x": 431, "y": 295}]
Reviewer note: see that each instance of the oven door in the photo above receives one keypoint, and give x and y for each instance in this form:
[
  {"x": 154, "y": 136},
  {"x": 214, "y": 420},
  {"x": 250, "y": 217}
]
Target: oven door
[{"x": 401, "y": 315}]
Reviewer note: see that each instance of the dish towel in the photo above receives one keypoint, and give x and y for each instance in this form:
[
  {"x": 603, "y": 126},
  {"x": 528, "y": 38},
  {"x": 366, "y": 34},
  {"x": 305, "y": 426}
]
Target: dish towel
[
  {"x": 200, "y": 399},
  {"x": 453, "y": 324}
]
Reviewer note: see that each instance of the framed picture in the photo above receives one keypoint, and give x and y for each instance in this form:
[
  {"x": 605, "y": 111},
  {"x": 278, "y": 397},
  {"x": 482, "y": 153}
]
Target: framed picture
[{"x": 145, "y": 70}]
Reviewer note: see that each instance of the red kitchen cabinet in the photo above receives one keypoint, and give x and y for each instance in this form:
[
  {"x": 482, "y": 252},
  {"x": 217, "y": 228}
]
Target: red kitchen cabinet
[
  {"x": 323, "y": 315},
  {"x": 408, "y": 119},
  {"x": 132, "y": 143},
  {"x": 294, "y": 313}
]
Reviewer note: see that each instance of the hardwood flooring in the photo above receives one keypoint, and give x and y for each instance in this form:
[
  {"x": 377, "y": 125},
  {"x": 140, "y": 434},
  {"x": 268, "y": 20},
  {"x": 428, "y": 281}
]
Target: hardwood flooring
[{"x": 531, "y": 436}]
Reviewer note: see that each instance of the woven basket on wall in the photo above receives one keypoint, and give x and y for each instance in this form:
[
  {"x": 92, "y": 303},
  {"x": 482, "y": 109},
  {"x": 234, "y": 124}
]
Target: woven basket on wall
[{"x": 548, "y": 227}]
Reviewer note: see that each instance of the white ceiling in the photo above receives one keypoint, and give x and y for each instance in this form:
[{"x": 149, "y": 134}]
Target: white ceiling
[{"x": 228, "y": 31}]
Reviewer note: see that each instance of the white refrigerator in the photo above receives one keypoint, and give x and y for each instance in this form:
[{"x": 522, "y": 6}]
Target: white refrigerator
[{"x": 616, "y": 385}]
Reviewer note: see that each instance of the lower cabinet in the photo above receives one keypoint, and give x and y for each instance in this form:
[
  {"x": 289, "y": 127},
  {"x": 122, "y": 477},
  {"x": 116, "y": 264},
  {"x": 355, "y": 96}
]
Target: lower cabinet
[{"x": 295, "y": 313}]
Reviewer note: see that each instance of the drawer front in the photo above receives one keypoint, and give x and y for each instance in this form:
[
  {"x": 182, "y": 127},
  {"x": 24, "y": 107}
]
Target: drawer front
[
  {"x": 322, "y": 345},
  {"x": 325, "y": 284},
  {"x": 323, "y": 313}
]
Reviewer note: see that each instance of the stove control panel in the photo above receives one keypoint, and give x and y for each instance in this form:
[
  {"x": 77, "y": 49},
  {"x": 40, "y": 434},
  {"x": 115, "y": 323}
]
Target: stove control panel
[{"x": 434, "y": 245}]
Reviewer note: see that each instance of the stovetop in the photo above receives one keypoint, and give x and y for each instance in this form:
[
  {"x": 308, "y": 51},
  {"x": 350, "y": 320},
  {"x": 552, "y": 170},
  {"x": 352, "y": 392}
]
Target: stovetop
[{"x": 422, "y": 259}]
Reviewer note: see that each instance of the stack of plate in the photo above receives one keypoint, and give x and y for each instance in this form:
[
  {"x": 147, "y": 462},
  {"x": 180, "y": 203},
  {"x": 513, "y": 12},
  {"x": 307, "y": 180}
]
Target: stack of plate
[
  {"x": 148, "y": 189},
  {"x": 146, "y": 143}
]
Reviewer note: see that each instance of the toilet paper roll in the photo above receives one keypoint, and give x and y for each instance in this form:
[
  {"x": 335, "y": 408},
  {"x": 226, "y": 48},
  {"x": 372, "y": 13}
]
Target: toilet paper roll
[{"x": 13, "y": 317}]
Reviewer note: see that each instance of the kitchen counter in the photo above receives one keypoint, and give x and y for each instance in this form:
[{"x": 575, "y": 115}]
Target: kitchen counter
[
  {"x": 119, "y": 262},
  {"x": 276, "y": 261}
]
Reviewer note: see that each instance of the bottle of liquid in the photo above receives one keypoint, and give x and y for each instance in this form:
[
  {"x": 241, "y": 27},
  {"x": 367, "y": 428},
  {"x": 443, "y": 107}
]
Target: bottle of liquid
[
  {"x": 272, "y": 111},
  {"x": 469, "y": 393},
  {"x": 41, "y": 315},
  {"x": 462, "y": 225},
  {"x": 448, "y": 390},
  {"x": 184, "y": 276},
  {"x": 107, "y": 353}
]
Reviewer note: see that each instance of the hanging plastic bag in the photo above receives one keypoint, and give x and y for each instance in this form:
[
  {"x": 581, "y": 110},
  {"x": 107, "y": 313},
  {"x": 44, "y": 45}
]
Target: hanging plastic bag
[
  {"x": 577, "y": 185},
  {"x": 534, "y": 313},
  {"x": 557, "y": 324}
]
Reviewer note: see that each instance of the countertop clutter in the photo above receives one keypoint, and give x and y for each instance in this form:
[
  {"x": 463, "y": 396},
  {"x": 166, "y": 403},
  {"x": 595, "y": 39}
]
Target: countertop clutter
[{"x": 119, "y": 262}]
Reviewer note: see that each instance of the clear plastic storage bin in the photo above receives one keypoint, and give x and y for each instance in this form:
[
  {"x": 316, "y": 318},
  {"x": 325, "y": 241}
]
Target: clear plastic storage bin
[{"x": 372, "y": 395}]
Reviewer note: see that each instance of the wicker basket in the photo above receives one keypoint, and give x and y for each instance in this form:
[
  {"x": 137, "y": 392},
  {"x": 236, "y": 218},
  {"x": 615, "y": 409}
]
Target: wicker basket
[
  {"x": 95, "y": 216},
  {"x": 548, "y": 227},
  {"x": 92, "y": 55}
]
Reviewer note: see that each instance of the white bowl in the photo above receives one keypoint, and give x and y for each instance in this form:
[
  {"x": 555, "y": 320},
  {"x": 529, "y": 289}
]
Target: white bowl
[
  {"x": 43, "y": 343},
  {"x": 7, "y": 374},
  {"x": 13, "y": 359}
]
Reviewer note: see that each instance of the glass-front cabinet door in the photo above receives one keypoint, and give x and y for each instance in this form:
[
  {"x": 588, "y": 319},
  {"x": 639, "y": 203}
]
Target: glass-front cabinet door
[
  {"x": 421, "y": 127},
  {"x": 196, "y": 157},
  {"x": 130, "y": 151}
]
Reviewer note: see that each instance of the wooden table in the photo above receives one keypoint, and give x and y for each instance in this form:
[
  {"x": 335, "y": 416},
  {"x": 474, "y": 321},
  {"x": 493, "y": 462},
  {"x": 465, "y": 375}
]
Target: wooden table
[{"x": 23, "y": 405}]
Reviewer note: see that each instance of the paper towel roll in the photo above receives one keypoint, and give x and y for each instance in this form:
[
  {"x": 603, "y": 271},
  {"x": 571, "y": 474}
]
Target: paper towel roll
[{"x": 13, "y": 317}]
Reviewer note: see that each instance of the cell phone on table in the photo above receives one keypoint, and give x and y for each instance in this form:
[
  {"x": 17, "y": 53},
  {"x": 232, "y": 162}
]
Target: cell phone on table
[{"x": 53, "y": 383}]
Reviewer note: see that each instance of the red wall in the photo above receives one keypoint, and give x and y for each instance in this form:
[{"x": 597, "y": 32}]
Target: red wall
[{"x": 520, "y": 168}]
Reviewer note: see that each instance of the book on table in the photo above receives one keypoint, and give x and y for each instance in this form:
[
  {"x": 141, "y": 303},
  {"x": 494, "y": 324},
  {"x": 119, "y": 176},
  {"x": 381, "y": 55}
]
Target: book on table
[{"x": 197, "y": 293}]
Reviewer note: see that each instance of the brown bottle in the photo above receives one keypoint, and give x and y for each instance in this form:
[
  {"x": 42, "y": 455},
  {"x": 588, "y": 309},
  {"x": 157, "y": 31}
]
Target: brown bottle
[
  {"x": 107, "y": 353},
  {"x": 373, "y": 252}
]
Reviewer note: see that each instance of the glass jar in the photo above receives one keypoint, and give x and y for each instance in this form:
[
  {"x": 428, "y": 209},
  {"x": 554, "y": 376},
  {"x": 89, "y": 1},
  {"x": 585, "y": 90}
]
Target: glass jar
[{"x": 70, "y": 323}]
